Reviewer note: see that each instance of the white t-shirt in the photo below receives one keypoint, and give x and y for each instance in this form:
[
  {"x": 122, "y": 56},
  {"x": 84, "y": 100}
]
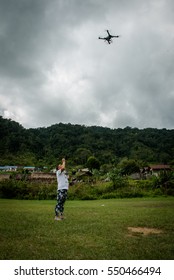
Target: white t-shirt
[{"x": 62, "y": 180}]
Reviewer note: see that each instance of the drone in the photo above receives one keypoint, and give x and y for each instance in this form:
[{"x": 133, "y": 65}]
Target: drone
[{"x": 108, "y": 39}]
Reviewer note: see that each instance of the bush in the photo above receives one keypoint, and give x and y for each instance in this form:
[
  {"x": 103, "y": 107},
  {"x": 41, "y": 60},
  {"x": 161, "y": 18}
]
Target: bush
[
  {"x": 82, "y": 191},
  {"x": 145, "y": 184},
  {"x": 164, "y": 182},
  {"x": 120, "y": 187},
  {"x": 102, "y": 188},
  {"x": 110, "y": 195},
  {"x": 27, "y": 190},
  {"x": 117, "y": 179}
]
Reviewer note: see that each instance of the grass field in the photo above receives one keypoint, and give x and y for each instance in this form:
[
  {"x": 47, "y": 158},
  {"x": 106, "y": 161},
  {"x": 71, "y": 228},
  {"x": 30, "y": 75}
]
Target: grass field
[{"x": 98, "y": 229}]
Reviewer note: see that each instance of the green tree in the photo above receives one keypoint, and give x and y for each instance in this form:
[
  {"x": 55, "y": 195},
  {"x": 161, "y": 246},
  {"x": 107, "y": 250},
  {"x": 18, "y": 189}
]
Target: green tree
[
  {"x": 81, "y": 155},
  {"x": 93, "y": 163},
  {"x": 117, "y": 179},
  {"x": 128, "y": 167},
  {"x": 77, "y": 143}
]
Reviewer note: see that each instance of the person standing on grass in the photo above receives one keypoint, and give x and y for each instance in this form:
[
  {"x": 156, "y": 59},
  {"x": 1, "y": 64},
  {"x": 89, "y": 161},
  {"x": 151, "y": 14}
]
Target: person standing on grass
[{"x": 62, "y": 190}]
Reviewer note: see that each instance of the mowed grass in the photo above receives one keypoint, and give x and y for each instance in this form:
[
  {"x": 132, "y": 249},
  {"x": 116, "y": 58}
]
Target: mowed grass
[{"x": 92, "y": 230}]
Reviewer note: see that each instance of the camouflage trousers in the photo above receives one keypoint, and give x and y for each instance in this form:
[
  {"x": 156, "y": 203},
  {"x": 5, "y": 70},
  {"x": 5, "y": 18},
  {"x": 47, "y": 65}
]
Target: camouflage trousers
[{"x": 61, "y": 198}]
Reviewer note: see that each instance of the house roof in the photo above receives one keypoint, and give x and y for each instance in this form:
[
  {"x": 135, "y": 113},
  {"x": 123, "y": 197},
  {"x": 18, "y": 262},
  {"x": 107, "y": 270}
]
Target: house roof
[
  {"x": 8, "y": 167},
  {"x": 84, "y": 171},
  {"x": 160, "y": 167}
]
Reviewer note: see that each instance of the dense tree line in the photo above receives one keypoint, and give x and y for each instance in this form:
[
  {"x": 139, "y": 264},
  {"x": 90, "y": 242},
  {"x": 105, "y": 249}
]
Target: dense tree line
[{"x": 45, "y": 146}]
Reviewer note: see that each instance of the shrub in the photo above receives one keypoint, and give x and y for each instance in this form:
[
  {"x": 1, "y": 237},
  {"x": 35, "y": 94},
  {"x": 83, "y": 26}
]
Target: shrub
[
  {"x": 145, "y": 184},
  {"x": 110, "y": 195},
  {"x": 117, "y": 179},
  {"x": 27, "y": 190},
  {"x": 119, "y": 187},
  {"x": 82, "y": 191},
  {"x": 165, "y": 182}
]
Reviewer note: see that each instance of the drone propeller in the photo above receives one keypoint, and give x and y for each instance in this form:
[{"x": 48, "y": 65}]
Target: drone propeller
[{"x": 108, "y": 38}]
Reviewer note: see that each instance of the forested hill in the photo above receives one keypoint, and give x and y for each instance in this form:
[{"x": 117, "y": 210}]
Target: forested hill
[{"x": 44, "y": 146}]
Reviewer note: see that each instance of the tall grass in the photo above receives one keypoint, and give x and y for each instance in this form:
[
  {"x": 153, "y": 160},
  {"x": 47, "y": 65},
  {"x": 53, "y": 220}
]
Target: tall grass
[{"x": 95, "y": 229}]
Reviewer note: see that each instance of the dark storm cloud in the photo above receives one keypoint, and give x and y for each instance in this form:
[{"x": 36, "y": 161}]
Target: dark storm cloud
[{"x": 54, "y": 69}]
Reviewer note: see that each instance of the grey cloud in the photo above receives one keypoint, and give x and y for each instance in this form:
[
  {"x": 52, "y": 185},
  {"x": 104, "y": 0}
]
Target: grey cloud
[{"x": 54, "y": 69}]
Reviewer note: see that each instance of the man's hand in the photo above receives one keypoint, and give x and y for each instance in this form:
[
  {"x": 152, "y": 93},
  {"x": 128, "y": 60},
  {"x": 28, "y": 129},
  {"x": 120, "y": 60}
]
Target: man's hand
[{"x": 63, "y": 163}]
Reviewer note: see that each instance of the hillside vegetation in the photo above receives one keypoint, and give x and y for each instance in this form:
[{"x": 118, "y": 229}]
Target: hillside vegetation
[{"x": 46, "y": 145}]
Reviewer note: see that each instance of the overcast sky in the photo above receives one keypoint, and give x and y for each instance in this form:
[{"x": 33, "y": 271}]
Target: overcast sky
[{"x": 53, "y": 67}]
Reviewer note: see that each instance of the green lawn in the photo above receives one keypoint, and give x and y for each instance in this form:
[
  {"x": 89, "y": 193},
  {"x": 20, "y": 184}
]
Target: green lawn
[{"x": 95, "y": 229}]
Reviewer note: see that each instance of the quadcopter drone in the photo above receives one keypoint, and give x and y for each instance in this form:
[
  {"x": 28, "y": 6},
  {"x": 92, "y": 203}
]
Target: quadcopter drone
[{"x": 108, "y": 38}]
